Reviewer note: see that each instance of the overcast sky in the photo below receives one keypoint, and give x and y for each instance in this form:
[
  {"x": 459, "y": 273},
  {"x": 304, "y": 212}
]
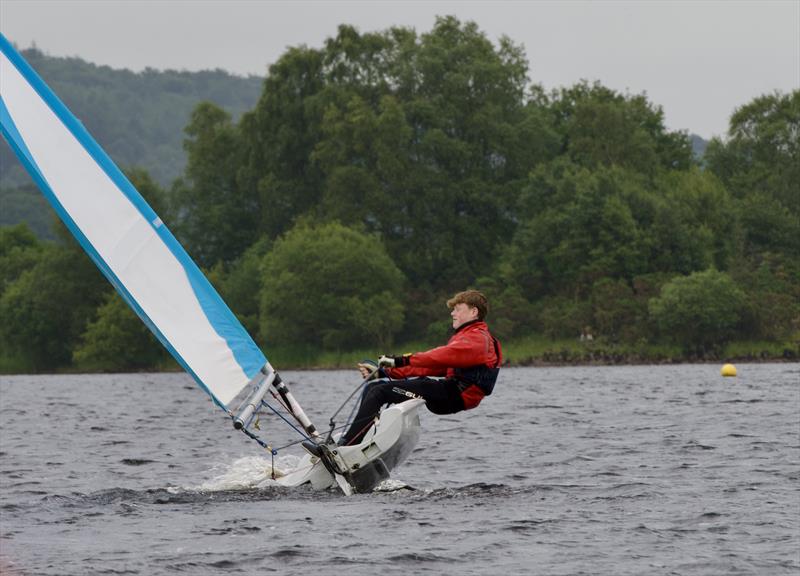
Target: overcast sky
[{"x": 699, "y": 60}]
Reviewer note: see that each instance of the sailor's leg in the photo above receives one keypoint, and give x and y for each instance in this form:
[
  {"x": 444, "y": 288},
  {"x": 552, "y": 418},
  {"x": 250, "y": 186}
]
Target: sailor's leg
[
  {"x": 376, "y": 394},
  {"x": 440, "y": 397}
]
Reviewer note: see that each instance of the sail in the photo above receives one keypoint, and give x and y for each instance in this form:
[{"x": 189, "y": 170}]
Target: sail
[{"x": 123, "y": 235}]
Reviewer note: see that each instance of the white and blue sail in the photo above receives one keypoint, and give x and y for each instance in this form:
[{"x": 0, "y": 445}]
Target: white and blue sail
[{"x": 124, "y": 237}]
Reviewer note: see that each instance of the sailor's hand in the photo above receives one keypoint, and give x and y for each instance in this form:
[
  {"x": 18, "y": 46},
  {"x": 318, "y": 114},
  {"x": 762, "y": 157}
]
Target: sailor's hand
[
  {"x": 368, "y": 370},
  {"x": 394, "y": 361}
]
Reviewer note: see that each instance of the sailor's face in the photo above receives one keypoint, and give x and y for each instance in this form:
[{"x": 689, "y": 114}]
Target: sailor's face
[{"x": 463, "y": 313}]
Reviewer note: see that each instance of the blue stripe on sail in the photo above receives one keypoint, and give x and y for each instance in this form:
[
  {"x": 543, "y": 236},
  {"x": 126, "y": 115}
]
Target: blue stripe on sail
[{"x": 249, "y": 357}]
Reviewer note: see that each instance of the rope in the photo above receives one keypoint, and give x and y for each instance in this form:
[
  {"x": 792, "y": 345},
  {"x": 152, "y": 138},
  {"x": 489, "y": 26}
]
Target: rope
[
  {"x": 363, "y": 384},
  {"x": 360, "y": 432},
  {"x": 333, "y": 428},
  {"x": 355, "y": 406},
  {"x": 282, "y": 417},
  {"x": 261, "y": 443}
]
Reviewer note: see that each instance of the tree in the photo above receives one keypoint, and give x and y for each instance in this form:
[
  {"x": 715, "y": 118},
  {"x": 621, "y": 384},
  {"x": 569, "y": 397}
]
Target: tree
[
  {"x": 278, "y": 137},
  {"x": 701, "y": 311},
  {"x": 26, "y": 204},
  {"x": 117, "y": 340},
  {"x": 215, "y": 217},
  {"x": 425, "y": 140},
  {"x": 600, "y": 127},
  {"x": 44, "y": 311},
  {"x": 617, "y": 312},
  {"x": 240, "y": 285},
  {"x": 694, "y": 223},
  {"x": 19, "y": 251},
  {"x": 578, "y": 225},
  {"x": 451, "y": 146},
  {"x": 767, "y": 226},
  {"x": 155, "y": 196},
  {"x": 49, "y": 292},
  {"x": 330, "y": 286},
  {"x": 762, "y": 153}
]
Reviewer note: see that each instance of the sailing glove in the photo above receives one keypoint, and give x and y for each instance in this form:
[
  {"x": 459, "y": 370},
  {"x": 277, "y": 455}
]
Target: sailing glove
[
  {"x": 395, "y": 361},
  {"x": 369, "y": 369}
]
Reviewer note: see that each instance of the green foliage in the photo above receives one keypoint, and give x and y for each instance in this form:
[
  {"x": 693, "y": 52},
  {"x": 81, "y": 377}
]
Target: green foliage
[
  {"x": 240, "y": 285},
  {"x": 616, "y": 311},
  {"x": 117, "y": 340},
  {"x": 25, "y": 204},
  {"x": 330, "y": 286},
  {"x": 700, "y": 311},
  {"x": 571, "y": 210},
  {"x": 767, "y": 226},
  {"x": 45, "y": 309},
  {"x": 510, "y": 314},
  {"x": 600, "y": 127},
  {"x": 155, "y": 196},
  {"x": 762, "y": 153},
  {"x": 580, "y": 225},
  {"x": 563, "y": 317},
  {"x": 772, "y": 285},
  {"x": 420, "y": 139},
  {"x": 215, "y": 219},
  {"x": 19, "y": 251},
  {"x": 278, "y": 137}
]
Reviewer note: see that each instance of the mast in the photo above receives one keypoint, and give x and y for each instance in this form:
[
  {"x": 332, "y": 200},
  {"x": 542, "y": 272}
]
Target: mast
[{"x": 270, "y": 379}]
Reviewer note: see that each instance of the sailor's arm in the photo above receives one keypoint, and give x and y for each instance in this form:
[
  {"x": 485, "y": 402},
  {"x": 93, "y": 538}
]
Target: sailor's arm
[{"x": 461, "y": 352}]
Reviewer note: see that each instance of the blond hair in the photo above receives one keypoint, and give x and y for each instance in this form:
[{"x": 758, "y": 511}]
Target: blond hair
[{"x": 471, "y": 298}]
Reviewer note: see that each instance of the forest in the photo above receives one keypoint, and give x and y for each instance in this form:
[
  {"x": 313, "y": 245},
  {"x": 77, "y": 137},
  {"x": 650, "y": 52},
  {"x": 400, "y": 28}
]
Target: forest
[{"x": 379, "y": 174}]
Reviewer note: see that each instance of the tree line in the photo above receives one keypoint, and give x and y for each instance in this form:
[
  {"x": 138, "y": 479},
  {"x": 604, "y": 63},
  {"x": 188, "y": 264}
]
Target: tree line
[{"x": 382, "y": 172}]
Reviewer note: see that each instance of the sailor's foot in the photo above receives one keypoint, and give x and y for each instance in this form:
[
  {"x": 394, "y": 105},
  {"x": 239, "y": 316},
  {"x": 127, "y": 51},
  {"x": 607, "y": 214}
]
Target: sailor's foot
[{"x": 312, "y": 448}]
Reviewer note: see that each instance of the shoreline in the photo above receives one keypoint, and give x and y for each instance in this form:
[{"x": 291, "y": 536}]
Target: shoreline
[
  {"x": 517, "y": 354},
  {"x": 534, "y": 364}
]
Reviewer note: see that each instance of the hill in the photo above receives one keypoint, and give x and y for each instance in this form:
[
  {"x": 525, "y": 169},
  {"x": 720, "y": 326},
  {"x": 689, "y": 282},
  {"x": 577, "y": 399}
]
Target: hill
[{"x": 138, "y": 118}]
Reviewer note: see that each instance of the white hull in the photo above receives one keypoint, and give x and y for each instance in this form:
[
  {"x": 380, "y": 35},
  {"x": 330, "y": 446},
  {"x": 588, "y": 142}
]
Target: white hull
[{"x": 361, "y": 467}]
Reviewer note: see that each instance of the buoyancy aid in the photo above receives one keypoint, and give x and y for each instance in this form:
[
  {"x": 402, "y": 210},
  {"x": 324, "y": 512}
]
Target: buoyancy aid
[
  {"x": 481, "y": 375},
  {"x": 476, "y": 382},
  {"x": 471, "y": 359}
]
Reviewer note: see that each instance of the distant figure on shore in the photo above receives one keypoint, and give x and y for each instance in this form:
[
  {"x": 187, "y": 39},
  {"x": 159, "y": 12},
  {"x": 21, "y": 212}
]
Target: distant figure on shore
[{"x": 586, "y": 334}]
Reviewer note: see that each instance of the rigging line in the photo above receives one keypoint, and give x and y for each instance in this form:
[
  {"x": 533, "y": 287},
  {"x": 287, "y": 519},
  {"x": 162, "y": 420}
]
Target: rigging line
[
  {"x": 356, "y": 405},
  {"x": 289, "y": 445},
  {"x": 363, "y": 383},
  {"x": 296, "y": 442},
  {"x": 288, "y": 409},
  {"x": 282, "y": 417},
  {"x": 261, "y": 443},
  {"x": 279, "y": 400},
  {"x": 364, "y": 429}
]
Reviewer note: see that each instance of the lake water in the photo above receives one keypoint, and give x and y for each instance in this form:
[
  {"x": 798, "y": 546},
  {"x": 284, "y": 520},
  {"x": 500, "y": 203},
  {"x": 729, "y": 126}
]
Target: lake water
[{"x": 574, "y": 470}]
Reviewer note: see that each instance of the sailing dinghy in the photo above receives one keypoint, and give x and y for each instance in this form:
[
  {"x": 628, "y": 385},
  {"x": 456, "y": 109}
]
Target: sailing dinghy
[{"x": 151, "y": 270}]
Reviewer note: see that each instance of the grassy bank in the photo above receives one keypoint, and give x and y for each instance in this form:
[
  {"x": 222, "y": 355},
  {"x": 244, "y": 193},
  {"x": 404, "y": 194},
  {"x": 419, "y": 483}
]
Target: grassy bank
[
  {"x": 529, "y": 351},
  {"x": 537, "y": 350}
]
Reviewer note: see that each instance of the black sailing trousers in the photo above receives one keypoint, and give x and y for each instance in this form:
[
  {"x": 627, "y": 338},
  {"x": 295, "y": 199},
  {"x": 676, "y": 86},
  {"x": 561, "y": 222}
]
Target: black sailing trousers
[{"x": 442, "y": 396}]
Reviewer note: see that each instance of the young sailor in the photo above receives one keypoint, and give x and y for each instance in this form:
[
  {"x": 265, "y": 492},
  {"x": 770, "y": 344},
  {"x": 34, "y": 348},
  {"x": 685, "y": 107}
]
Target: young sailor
[{"x": 450, "y": 378}]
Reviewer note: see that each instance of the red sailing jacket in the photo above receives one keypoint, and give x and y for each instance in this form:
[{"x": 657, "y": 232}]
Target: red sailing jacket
[{"x": 472, "y": 356}]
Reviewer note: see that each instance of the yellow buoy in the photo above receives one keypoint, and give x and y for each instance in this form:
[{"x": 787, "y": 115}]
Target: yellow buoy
[{"x": 728, "y": 370}]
